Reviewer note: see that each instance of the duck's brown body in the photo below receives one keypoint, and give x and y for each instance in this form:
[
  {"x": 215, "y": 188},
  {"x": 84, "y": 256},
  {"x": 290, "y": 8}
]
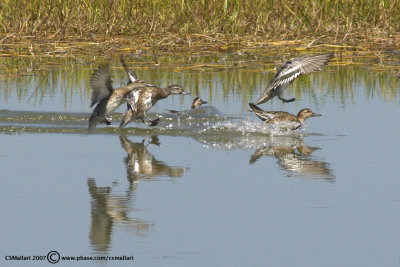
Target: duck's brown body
[
  {"x": 143, "y": 98},
  {"x": 105, "y": 96},
  {"x": 115, "y": 99},
  {"x": 140, "y": 95},
  {"x": 278, "y": 117}
]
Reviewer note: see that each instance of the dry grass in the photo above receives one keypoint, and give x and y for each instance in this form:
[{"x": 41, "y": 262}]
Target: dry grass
[{"x": 186, "y": 23}]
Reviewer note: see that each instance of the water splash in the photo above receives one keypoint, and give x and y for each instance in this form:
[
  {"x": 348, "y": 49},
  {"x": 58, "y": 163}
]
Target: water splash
[{"x": 186, "y": 124}]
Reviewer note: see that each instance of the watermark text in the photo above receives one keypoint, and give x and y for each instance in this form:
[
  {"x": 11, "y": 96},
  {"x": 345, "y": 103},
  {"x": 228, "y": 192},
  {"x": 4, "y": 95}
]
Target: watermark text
[{"x": 55, "y": 257}]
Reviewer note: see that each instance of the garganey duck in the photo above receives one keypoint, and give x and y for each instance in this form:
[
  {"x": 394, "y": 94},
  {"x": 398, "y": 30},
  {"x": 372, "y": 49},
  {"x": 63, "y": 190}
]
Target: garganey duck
[
  {"x": 143, "y": 97},
  {"x": 286, "y": 119},
  {"x": 105, "y": 96},
  {"x": 289, "y": 71},
  {"x": 197, "y": 102}
]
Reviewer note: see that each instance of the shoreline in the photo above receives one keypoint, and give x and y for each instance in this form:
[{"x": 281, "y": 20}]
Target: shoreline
[{"x": 201, "y": 50}]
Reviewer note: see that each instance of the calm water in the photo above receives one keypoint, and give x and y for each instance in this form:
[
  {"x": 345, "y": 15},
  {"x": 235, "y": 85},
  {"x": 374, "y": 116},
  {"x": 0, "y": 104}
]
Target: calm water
[{"x": 204, "y": 190}]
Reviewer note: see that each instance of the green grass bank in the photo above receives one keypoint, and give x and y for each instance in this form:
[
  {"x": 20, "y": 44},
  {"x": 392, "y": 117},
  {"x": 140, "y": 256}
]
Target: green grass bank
[{"x": 186, "y": 22}]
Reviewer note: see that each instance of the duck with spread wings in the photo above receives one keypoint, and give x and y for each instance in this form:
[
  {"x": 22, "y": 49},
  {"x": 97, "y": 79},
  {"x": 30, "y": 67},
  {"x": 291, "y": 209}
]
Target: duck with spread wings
[
  {"x": 289, "y": 71},
  {"x": 105, "y": 97},
  {"x": 143, "y": 97}
]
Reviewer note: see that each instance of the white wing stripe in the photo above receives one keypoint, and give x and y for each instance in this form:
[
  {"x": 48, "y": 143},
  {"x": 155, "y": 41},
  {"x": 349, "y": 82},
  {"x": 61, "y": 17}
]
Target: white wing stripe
[
  {"x": 287, "y": 71},
  {"x": 136, "y": 94}
]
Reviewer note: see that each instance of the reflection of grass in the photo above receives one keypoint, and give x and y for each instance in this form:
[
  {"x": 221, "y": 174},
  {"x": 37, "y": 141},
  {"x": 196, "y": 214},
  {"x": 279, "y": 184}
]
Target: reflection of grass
[{"x": 231, "y": 77}]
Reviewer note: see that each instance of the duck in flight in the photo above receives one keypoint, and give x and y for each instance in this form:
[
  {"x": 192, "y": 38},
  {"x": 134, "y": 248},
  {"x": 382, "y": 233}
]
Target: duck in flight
[
  {"x": 289, "y": 71},
  {"x": 143, "y": 97},
  {"x": 285, "y": 119},
  {"x": 105, "y": 97}
]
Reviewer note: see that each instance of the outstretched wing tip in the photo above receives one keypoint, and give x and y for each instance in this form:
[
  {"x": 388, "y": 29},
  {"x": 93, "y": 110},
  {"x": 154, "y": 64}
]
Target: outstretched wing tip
[{"x": 101, "y": 84}]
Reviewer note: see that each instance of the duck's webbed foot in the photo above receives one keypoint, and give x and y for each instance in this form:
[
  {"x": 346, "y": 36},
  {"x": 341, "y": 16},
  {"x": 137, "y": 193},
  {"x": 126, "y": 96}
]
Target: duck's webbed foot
[
  {"x": 287, "y": 100},
  {"x": 107, "y": 121},
  {"x": 151, "y": 122}
]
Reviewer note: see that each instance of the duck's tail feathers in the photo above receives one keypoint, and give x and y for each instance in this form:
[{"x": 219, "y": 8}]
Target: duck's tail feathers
[
  {"x": 259, "y": 112},
  {"x": 255, "y": 108}
]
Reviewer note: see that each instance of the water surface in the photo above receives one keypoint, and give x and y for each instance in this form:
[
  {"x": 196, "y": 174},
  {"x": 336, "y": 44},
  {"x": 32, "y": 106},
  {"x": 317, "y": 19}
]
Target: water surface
[{"x": 202, "y": 190}]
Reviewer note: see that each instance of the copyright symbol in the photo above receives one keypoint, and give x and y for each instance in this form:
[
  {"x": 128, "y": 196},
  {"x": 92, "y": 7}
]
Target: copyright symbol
[{"x": 53, "y": 257}]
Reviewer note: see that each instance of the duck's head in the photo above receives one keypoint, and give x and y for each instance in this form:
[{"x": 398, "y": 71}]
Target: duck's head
[
  {"x": 306, "y": 113},
  {"x": 176, "y": 90},
  {"x": 197, "y": 102}
]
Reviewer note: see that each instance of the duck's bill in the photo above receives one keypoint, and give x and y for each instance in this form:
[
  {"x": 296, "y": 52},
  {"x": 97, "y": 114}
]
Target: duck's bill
[
  {"x": 316, "y": 115},
  {"x": 185, "y": 93},
  {"x": 204, "y": 102}
]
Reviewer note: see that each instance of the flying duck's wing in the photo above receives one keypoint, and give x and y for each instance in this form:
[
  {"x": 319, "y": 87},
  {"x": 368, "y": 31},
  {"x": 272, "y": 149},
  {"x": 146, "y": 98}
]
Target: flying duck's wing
[
  {"x": 262, "y": 114},
  {"x": 101, "y": 84},
  {"x": 131, "y": 74},
  {"x": 295, "y": 67},
  {"x": 289, "y": 71}
]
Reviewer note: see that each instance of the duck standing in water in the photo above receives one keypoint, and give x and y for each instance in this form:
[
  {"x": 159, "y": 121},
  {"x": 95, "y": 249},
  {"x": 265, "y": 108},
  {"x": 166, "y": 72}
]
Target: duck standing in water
[
  {"x": 197, "y": 102},
  {"x": 289, "y": 71},
  {"x": 143, "y": 97},
  {"x": 289, "y": 120}
]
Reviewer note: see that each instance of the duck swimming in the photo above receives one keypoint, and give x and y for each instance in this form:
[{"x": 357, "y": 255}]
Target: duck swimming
[
  {"x": 197, "y": 102},
  {"x": 276, "y": 117},
  {"x": 289, "y": 71},
  {"x": 143, "y": 97}
]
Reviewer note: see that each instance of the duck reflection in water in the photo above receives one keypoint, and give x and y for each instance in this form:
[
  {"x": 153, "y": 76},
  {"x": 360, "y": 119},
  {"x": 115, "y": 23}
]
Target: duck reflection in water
[
  {"x": 112, "y": 206},
  {"x": 295, "y": 157},
  {"x": 140, "y": 163},
  {"x": 292, "y": 153}
]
